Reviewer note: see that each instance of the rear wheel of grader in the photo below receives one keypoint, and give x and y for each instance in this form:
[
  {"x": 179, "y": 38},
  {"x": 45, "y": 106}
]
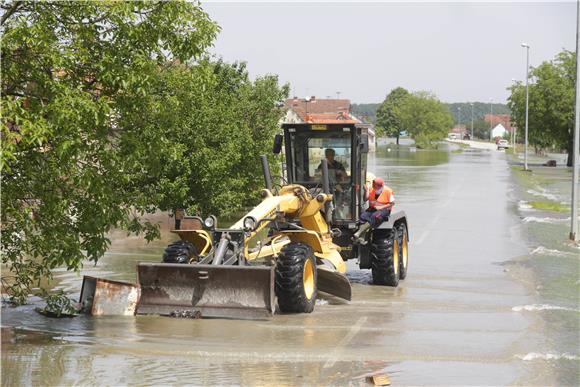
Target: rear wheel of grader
[
  {"x": 180, "y": 252},
  {"x": 296, "y": 279},
  {"x": 385, "y": 257},
  {"x": 403, "y": 250}
]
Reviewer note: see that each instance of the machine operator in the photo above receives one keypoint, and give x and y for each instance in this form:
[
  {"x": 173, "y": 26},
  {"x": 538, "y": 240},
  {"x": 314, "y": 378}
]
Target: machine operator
[
  {"x": 381, "y": 201},
  {"x": 333, "y": 166}
]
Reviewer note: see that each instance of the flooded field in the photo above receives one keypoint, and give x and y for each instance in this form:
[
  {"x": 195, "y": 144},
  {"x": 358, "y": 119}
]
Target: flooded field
[{"x": 491, "y": 299}]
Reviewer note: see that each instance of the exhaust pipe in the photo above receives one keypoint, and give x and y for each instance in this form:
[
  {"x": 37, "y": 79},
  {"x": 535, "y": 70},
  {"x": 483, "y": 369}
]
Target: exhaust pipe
[
  {"x": 266, "y": 171},
  {"x": 326, "y": 188}
]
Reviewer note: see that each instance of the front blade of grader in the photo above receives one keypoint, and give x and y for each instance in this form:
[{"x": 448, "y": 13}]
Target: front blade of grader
[
  {"x": 332, "y": 282},
  {"x": 240, "y": 292}
]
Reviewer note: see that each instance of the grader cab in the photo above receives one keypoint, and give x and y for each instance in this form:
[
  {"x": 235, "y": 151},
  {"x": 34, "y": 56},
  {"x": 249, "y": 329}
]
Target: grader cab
[{"x": 290, "y": 246}]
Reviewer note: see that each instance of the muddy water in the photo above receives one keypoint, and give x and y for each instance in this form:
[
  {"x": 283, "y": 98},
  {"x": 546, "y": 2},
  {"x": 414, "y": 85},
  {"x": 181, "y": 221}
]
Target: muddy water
[{"x": 454, "y": 321}]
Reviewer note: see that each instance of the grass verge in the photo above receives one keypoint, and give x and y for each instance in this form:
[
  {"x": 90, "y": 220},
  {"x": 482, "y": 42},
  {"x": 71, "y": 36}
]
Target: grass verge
[{"x": 549, "y": 205}]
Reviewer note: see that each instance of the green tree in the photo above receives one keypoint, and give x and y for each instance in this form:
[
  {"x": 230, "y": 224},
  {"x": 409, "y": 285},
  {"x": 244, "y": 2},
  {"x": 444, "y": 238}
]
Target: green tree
[
  {"x": 213, "y": 136},
  {"x": 481, "y": 129},
  {"x": 425, "y": 118},
  {"x": 111, "y": 110},
  {"x": 551, "y": 103},
  {"x": 388, "y": 123}
]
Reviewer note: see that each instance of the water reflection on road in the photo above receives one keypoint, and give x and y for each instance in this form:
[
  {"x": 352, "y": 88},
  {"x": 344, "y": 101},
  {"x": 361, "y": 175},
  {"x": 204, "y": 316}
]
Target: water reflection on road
[{"x": 450, "y": 322}]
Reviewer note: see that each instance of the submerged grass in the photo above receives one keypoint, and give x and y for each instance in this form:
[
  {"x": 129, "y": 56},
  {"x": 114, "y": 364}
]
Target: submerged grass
[
  {"x": 542, "y": 177},
  {"x": 549, "y": 205}
]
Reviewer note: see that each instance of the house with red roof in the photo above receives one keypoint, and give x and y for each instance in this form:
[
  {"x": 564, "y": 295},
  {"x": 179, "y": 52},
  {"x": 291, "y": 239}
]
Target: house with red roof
[{"x": 313, "y": 110}]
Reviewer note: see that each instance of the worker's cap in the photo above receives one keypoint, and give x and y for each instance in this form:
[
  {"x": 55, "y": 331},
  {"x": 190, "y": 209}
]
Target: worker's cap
[{"x": 378, "y": 182}]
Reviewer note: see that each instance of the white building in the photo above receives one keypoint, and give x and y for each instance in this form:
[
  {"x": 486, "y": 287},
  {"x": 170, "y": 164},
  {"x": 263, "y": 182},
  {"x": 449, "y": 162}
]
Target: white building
[{"x": 498, "y": 131}]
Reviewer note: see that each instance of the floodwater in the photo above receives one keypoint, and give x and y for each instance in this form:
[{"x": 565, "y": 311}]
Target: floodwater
[{"x": 469, "y": 312}]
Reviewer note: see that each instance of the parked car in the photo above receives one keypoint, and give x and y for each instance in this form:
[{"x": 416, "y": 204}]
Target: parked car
[{"x": 503, "y": 144}]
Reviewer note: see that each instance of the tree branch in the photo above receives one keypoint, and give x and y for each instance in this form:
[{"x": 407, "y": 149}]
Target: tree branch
[{"x": 10, "y": 12}]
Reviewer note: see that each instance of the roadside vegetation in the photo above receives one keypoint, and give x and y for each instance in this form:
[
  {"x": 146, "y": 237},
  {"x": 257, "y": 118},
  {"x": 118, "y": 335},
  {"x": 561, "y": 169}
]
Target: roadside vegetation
[
  {"x": 426, "y": 119},
  {"x": 112, "y": 111},
  {"x": 539, "y": 178},
  {"x": 549, "y": 205},
  {"x": 551, "y": 104}
]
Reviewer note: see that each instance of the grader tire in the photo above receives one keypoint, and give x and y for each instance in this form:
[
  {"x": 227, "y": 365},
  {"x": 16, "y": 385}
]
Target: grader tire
[
  {"x": 180, "y": 252},
  {"x": 385, "y": 257},
  {"x": 296, "y": 279},
  {"x": 403, "y": 251}
]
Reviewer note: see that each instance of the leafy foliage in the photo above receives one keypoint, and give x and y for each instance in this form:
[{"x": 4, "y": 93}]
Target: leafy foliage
[
  {"x": 111, "y": 111},
  {"x": 208, "y": 159},
  {"x": 58, "y": 304},
  {"x": 388, "y": 122},
  {"x": 425, "y": 118},
  {"x": 551, "y": 103}
]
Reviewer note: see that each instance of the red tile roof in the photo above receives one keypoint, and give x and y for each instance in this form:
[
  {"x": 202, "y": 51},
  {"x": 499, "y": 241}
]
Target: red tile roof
[
  {"x": 495, "y": 119},
  {"x": 323, "y": 111},
  {"x": 316, "y": 105}
]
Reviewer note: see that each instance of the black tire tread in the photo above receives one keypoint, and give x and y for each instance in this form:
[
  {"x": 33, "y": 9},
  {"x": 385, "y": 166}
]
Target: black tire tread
[
  {"x": 289, "y": 282},
  {"x": 381, "y": 250},
  {"x": 179, "y": 252},
  {"x": 402, "y": 228}
]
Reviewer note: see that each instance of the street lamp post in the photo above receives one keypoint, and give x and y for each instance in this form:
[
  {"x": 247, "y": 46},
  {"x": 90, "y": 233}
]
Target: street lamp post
[
  {"x": 575, "y": 151},
  {"x": 471, "y": 120},
  {"x": 527, "y": 47}
]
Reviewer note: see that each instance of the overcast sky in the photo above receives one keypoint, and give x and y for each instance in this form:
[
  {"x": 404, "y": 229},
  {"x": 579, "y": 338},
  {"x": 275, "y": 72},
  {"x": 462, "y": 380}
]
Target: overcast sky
[{"x": 461, "y": 51}]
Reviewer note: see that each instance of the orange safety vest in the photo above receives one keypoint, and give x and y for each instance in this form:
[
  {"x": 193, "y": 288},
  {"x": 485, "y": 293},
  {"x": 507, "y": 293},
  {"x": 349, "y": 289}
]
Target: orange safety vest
[{"x": 386, "y": 197}]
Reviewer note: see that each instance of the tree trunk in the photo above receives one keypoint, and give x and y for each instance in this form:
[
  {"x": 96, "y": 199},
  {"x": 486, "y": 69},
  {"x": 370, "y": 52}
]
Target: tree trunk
[
  {"x": 570, "y": 149},
  {"x": 398, "y": 139}
]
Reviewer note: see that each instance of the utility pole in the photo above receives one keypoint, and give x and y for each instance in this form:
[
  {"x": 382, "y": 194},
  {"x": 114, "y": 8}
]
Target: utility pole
[
  {"x": 575, "y": 151},
  {"x": 338, "y": 95},
  {"x": 471, "y": 121},
  {"x": 527, "y": 47}
]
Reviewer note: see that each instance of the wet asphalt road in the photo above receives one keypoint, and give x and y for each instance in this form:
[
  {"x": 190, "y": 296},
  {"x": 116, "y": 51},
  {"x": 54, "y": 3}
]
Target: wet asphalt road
[{"x": 449, "y": 323}]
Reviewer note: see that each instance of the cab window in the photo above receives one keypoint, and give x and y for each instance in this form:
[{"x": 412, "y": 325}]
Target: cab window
[{"x": 309, "y": 148}]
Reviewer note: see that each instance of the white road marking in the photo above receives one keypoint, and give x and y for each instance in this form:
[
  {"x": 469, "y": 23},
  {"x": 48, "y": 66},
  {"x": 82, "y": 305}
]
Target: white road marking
[
  {"x": 346, "y": 339},
  {"x": 437, "y": 217}
]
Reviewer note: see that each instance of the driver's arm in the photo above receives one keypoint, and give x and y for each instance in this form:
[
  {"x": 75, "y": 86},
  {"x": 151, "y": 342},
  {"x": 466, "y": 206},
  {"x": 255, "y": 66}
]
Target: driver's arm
[{"x": 385, "y": 206}]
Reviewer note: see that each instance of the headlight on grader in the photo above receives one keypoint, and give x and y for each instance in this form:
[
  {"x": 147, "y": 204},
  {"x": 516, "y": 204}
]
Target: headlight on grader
[
  {"x": 250, "y": 223},
  {"x": 210, "y": 222}
]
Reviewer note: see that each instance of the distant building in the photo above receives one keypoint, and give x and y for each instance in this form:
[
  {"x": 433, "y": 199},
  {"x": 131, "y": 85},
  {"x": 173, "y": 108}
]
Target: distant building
[
  {"x": 325, "y": 111},
  {"x": 500, "y": 119},
  {"x": 459, "y": 130}
]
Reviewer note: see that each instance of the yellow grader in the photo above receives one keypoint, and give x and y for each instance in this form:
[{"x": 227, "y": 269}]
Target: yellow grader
[{"x": 293, "y": 244}]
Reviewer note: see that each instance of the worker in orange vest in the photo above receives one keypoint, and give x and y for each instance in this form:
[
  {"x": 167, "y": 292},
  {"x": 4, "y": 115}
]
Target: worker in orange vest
[{"x": 381, "y": 201}]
